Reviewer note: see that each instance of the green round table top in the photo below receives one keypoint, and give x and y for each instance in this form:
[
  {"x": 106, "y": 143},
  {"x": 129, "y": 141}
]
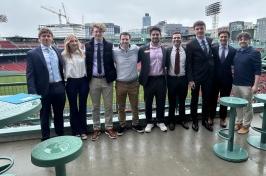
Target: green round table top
[
  {"x": 233, "y": 102},
  {"x": 260, "y": 98},
  {"x": 56, "y": 151},
  {"x": 15, "y": 112}
]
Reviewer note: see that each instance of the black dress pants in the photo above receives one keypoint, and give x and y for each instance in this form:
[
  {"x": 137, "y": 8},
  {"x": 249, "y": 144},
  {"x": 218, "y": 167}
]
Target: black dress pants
[
  {"x": 177, "y": 91},
  {"x": 156, "y": 87},
  {"x": 56, "y": 99},
  {"x": 206, "y": 89},
  {"x": 77, "y": 93},
  {"x": 224, "y": 89}
]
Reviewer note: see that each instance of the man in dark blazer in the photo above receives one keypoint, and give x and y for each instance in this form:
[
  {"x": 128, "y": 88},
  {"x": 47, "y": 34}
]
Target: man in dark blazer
[
  {"x": 200, "y": 74},
  {"x": 223, "y": 58},
  {"x": 45, "y": 77},
  {"x": 177, "y": 82},
  {"x": 101, "y": 73},
  {"x": 153, "y": 78}
]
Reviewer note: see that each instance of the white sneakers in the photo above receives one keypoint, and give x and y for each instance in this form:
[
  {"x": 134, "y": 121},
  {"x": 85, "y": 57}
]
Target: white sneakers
[
  {"x": 151, "y": 125},
  {"x": 162, "y": 126}
]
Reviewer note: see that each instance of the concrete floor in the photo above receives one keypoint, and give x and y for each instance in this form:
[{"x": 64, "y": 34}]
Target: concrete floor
[{"x": 173, "y": 153}]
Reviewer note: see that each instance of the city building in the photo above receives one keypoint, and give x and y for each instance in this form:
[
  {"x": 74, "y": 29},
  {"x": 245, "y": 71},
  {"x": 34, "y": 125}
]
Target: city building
[
  {"x": 169, "y": 29},
  {"x": 237, "y": 27},
  {"x": 112, "y": 30},
  {"x": 146, "y": 21},
  {"x": 261, "y": 30},
  {"x": 62, "y": 30}
]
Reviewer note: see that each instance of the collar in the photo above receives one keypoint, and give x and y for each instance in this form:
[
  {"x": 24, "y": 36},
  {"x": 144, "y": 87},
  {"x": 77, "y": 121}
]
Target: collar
[
  {"x": 200, "y": 40},
  {"x": 96, "y": 42},
  {"x": 154, "y": 47},
  {"x": 123, "y": 48},
  {"x": 221, "y": 46},
  {"x": 174, "y": 47},
  {"x": 46, "y": 47}
]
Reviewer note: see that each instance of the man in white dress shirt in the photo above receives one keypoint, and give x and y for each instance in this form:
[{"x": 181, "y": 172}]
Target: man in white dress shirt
[{"x": 177, "y": 82}]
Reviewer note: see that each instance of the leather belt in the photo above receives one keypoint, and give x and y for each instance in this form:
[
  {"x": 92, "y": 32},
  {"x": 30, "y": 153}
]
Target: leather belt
[{"x": 99, "y": 77}]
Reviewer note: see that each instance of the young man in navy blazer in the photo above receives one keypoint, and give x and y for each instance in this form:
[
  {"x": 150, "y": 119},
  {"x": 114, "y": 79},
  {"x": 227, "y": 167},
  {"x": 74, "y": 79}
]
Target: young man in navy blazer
[
  {"x": 45, "y": 77},
  {"x": 223, "y": 58}
]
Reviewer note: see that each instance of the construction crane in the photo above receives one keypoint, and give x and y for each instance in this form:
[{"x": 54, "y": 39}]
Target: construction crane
[
  {"x": 59, "y": 13},
  {"x": 67, "y": 18}
]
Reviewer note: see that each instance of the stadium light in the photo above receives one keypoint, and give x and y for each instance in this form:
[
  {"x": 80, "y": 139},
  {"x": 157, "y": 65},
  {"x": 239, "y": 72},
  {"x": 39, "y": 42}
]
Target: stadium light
[{"x": 213, "y": 10}]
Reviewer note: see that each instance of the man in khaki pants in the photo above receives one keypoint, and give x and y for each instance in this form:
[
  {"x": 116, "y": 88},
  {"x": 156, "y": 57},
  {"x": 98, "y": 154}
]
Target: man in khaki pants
[
  {"x": 126, "y": 58},
  {"x": 101, "y": 73},
  {"x": 247, "y": 71}
]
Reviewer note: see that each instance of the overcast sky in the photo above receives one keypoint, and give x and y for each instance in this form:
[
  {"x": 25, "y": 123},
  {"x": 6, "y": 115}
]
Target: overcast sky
[{"x": 24, "y": 16}]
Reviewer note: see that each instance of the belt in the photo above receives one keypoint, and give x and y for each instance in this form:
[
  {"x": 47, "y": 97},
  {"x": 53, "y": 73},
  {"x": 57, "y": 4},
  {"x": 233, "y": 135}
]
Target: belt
[
  {"x": 99, "y": 77},
  {"x": 54, "y": 83},
  {"x": 170, "y": 76},
  {"x": 127, "y": 82}
]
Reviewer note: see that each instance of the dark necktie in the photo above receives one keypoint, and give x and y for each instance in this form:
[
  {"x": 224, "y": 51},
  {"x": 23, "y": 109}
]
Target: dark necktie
[
  {"x": 222, "y": 58},
  {"x": 99, "y": 59},
  {"x": 177, "y": 62},
  {"x": 204, "y": 47}
]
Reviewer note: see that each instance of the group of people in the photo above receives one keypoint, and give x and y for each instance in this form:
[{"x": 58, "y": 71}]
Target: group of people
[{"x": 214, "y": 69}]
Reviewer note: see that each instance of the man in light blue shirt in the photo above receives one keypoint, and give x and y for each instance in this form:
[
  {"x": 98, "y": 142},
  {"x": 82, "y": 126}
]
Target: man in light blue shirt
[{"x": 45, "y": 78}]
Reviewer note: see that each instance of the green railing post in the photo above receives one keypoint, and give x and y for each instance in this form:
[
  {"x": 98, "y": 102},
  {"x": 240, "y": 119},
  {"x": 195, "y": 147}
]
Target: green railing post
[
  {"x": 231, "y": 129},
  {"x": 60, "y": 170},
  {"x": 263, "y": 135}
]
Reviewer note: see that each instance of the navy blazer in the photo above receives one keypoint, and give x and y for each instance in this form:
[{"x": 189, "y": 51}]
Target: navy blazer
[
  {"x": 37, "y": 73},
  {"x": 201, "y": 65},
  {"x": 144, "y": 58},
  {"x": 223, "y": 71},
  {"x": 108, "y": 60}
]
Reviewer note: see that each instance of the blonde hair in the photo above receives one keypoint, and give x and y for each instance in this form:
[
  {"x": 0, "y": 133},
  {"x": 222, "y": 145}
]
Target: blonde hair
[
  {"x": 100, "y": 26},
  {"x": 67, "y": 53}
]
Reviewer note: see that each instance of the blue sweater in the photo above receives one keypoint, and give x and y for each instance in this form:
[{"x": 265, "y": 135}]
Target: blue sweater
[{"x": 247, "y": 64}]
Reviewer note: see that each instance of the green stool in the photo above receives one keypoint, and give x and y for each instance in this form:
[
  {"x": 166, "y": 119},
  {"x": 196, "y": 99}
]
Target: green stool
[
  {"x": 8, "y": 163},
  {"x": 228, "y": 150},
  {"x": 56, "y": 152},
  {"x": 259, "y": 141}
]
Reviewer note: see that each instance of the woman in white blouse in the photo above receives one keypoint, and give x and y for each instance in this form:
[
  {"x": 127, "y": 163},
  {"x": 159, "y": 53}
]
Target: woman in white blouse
[{"x": 77, "y": 85}]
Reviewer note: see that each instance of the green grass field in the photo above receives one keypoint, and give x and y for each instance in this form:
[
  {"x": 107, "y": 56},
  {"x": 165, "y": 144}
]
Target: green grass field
[{"x": 13, "y": 84}]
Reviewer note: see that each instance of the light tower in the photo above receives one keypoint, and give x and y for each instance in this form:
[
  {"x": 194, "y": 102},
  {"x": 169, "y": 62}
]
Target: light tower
[
  {"x": 3, "y": 18},
  {"x": 213, "y": 10}
]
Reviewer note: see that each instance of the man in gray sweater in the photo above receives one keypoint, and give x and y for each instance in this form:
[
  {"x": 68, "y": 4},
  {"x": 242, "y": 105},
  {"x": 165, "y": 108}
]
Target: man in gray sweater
[{"x": 126, "y": 59}]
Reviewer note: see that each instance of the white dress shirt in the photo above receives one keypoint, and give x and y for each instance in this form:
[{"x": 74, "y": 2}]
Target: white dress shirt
[{"x": 182, "y": 62}]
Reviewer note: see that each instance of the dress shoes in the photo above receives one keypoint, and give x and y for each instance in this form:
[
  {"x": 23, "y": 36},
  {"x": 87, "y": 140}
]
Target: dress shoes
[
  {"x": 184, "y": 125},
  {"x": 210, "y": 122},
  {"x": 223, "y": 123},
  {"x": 207, "y": 125},
  {"x": 172, "y": 126},
  {"x": 195, "y": 126}
]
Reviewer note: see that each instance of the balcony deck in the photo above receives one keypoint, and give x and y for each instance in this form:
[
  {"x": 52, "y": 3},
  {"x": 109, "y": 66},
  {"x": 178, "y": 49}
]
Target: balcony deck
[{"x": 180, "y": 152}]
